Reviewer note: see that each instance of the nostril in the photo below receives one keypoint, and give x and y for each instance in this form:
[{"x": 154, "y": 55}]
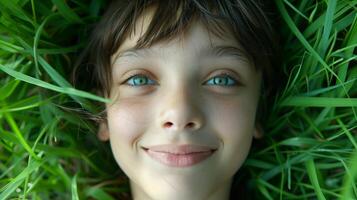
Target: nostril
[
  {"x": 167, "y": 124},
  {"x": 170, "y": 124},
  {"x": 190, "y": 125}
]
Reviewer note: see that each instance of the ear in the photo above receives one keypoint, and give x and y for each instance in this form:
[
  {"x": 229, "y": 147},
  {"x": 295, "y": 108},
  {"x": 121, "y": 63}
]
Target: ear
[
  {"x": 258, "y": 131},
  {"x": 103, "y": 132}
]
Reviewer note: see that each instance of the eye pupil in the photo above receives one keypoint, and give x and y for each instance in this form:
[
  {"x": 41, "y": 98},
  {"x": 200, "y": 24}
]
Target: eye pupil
[
  {"x": 220, "y": 80},
  {"x": 139, "y": 80}
]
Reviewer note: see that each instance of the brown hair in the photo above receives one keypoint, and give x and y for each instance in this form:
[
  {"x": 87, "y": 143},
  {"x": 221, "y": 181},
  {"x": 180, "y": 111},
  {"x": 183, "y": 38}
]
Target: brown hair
[{"x": 246, "y": 19}]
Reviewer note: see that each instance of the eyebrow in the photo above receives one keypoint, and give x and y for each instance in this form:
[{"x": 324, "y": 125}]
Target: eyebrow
[
  {"x": 215, "y": 51},
  {"x": 226, "y": 51}
]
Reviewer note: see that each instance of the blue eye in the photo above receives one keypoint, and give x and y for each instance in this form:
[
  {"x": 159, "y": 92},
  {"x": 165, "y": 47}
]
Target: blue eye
[
  {"x": 222, "y": 80},
  {"x": 139, "y": 80}
]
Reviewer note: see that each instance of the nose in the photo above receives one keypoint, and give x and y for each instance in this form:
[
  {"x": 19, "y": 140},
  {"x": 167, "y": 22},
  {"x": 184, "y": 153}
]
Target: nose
[{"x": 180, "y": 112}]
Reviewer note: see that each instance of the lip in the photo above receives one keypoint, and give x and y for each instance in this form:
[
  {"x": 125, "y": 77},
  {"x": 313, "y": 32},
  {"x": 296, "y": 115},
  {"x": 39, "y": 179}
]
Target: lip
[{"x": 179, "y": 155}]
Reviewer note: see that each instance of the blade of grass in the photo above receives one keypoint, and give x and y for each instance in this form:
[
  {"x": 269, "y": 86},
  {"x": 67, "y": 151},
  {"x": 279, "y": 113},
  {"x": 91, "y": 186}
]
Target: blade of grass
[
  {"x": 8, "y": 89},
  {"x": 19, "y": 136},
  {"x": 327, "y": 89},
  {"x": 347, "y": 132},
  {"x": 57, "y": 78},
  {"x": 302, "y": 39},
  {"x": 35, "y": 43},
  {"x": 311, "y": 171},
  {"x": 67, "y": 12},
  {"x": 329, "y": 18},
  {"x": 11, "y": 48},
  {"x": 8, "y": 189},
  {"x": 351, "y": 40},
  {"x": 98, "y": 193},
  {"x": 23, "y": 104},
  {"x": 70, "y": 91},
  {"x": 273, "y": 188},
  {"x": 74, "y": 188},
  {"x": 349, "y": 180},
  {"x": 320, "y": 102},
  {"x": 33, "y": 11},
  {"x": 29, "y": 161},
  {"x": 15, "y": 9}
]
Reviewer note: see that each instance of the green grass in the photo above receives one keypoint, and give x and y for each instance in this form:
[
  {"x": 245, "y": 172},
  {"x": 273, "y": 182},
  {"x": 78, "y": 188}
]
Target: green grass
[{"x": 48, "y": 146}]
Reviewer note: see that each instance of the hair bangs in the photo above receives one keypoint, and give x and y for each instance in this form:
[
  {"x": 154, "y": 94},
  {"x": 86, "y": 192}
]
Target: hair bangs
[{"x": 166, "y": 25}]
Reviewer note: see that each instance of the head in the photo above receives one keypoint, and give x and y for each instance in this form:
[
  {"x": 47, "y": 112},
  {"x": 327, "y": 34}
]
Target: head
[{"x": 181, "y": 73}]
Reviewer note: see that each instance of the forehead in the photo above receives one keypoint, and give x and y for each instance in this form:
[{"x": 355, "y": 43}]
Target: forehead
[{"x": 196, "y": 35}]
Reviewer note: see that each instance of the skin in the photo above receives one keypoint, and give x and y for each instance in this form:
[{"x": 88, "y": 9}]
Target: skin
[{"x": 179, "y": 103}]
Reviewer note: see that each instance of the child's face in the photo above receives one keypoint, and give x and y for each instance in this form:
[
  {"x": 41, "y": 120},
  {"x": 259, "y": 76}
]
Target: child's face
[{"x": 182, "y": 98}]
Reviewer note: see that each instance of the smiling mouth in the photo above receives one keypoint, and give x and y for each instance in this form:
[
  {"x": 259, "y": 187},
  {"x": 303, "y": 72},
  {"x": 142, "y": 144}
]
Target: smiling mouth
[{"x": 179, "y": 156}]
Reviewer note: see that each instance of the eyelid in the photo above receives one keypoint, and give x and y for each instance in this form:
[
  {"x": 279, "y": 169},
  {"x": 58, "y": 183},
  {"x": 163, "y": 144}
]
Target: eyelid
[
  {"x": 229, "y": 73},
  {"x": 134, "y": 74}
]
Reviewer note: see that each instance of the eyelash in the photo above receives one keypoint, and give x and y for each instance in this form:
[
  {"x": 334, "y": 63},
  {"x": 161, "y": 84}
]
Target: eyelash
[{"x": 232, "y": 82}]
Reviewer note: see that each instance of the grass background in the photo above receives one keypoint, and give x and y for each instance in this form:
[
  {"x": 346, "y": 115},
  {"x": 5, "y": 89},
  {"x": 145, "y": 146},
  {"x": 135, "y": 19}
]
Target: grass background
[{"x": 48, "y": 146}]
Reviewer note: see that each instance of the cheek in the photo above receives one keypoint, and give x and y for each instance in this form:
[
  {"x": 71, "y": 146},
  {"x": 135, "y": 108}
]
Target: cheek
[
  {"x": 235, "y": 128},
  {"x": 234, "y": 118},
  {"x": 234, "y": 123},
  {"x": 127, "y": 121}
]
